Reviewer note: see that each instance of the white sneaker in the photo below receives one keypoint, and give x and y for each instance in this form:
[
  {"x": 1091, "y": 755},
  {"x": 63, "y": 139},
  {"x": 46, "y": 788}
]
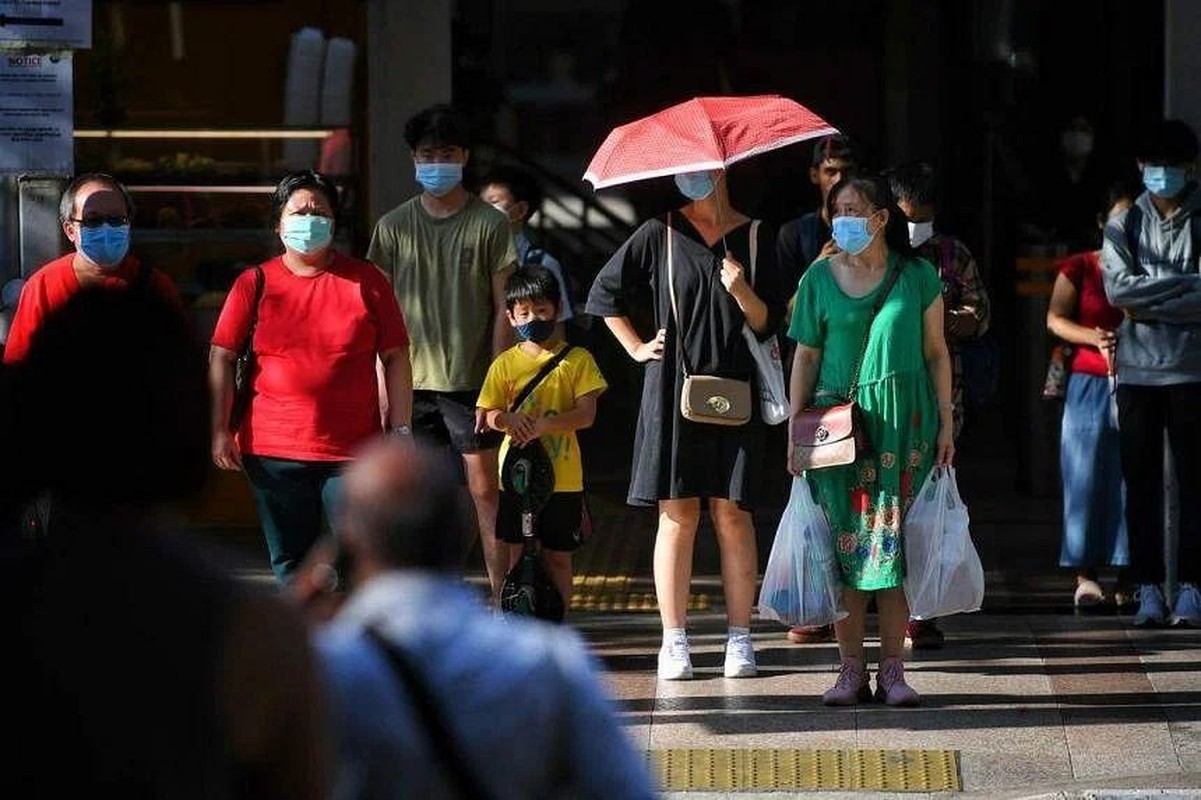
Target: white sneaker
[
  {"x": 675, "y": 663},
  {"x": 740, "y": 657}
]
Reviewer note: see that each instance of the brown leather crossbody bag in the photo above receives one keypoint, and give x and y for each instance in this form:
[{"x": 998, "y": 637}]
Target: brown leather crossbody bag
[{"x": 836, "y": 435}]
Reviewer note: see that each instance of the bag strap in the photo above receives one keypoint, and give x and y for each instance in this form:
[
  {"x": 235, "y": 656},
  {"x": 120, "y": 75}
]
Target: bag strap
[
  {"x": 890, "y": 281},
  {"x": 671, "y": 288},
  {"x": 671, "y": 292},
  {"x": 457, "y": 768},
  {"x": 533, "y": 382},
  {"x": 259, "y": 280}
]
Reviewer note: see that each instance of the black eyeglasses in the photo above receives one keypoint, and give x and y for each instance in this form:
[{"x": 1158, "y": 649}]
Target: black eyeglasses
[{"x": 97, "y": 221}]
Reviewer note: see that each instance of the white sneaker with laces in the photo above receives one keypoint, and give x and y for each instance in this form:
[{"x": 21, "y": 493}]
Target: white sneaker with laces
[
  {"x": 1152, "y": 610},
  {"x": 740, "y": 657},
  {"x": 675, "y": 662},
  {"x": 1187, "y": 613}
]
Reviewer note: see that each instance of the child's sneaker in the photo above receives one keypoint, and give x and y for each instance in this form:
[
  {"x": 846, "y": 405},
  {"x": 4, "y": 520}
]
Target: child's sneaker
[
  {"x": 740, "y": 657},
  {"x": 1152, "y": 610},
  {"x": 675, "y": 662},
  {"x": 1187, "y": 613}
]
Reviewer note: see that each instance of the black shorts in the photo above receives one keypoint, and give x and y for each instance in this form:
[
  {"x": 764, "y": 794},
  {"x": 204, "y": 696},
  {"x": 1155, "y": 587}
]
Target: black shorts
[
  {"x": 557, "y": 525},
  {"x": 448, "y": 418}
]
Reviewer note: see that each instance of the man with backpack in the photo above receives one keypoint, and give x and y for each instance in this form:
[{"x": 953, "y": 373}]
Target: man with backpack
[
  {"x": 1150, "y": 263},
  {"x": 966, "y": 317}
]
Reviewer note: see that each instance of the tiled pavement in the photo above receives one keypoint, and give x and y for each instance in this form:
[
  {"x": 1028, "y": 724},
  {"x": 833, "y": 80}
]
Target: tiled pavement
[{"x": 1038, "y": 701}]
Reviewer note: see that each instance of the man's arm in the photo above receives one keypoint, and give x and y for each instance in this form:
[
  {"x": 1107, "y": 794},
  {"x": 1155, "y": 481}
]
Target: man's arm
[
  {"x": 502, "y": 331},
  {"x": 1127, "y": 284}
]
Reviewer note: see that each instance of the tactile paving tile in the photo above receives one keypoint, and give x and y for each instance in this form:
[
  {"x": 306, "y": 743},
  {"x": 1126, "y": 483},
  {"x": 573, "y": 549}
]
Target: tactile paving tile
[
  {"x": 621, "y": 593},
  {"x": 767, "y": 770}
]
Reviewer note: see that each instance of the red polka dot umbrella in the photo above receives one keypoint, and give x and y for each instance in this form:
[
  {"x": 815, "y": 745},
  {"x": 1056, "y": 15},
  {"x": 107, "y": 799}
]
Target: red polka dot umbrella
[{"x": 702, "y": 133}]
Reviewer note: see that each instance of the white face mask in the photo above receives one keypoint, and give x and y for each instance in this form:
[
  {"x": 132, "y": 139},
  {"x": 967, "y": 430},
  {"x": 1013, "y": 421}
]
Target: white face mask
[{"x": 920, "y": 233}]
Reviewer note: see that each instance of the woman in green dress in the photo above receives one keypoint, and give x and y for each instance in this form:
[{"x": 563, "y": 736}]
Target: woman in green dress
[{"x": 904, "y": 391}]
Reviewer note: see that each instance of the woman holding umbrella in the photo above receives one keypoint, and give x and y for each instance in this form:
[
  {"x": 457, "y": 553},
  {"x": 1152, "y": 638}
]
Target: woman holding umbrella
[{"x": 680, "y": 465}]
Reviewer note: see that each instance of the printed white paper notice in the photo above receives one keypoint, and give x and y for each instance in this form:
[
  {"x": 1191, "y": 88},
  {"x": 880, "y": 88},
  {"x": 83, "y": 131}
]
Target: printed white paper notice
[
  {"x": 46, "y": 23},
  {"x": 36, "y": 114}
]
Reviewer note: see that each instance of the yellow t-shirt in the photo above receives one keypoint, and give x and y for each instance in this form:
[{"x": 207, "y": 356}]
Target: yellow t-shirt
[{"x": 576, "y": 375}]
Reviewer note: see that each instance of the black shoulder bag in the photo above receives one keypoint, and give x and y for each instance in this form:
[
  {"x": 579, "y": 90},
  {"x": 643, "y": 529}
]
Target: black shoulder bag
[{"x": 244, "y": 364}]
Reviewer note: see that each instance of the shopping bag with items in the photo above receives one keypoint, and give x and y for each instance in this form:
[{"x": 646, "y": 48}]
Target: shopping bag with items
[
  {"x": 801, "y": 584},
  {"x": 943, "y": 574}
]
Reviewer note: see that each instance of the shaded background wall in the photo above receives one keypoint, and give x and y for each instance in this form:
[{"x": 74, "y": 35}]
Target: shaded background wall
[{"x": 982, "y": 88}]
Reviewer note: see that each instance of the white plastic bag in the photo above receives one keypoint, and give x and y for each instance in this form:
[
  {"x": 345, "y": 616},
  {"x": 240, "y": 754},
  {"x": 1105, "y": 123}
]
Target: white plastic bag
[
  {"x": 773, "y": 397},
  {"x": 773, "y": 400},
  {"x": 801, "y": 584},
  {"x": 943, "y": 574}
]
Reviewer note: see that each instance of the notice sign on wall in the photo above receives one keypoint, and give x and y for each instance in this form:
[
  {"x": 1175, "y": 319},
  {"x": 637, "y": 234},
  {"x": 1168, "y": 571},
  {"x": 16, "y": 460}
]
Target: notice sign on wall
[
  {"x": 36, "y": 117},
  {"x": 46, "y": 23}
]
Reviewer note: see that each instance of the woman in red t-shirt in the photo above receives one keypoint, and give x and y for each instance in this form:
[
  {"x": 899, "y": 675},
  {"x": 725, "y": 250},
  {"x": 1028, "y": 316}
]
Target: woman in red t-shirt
[
  {"x": 1094, "y": 521},
  {"x": 319, "y": 322}
]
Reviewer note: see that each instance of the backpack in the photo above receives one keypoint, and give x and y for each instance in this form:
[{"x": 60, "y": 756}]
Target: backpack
[{"x": 980, "y": 356}]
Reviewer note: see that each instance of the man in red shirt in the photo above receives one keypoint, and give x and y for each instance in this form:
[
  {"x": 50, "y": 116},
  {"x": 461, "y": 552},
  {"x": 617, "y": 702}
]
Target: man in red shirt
[{"x": 95, "y": 212}]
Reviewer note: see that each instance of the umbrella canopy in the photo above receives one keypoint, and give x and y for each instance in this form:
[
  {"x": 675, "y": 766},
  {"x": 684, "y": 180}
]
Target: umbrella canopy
[{"x": 702, "y": 133}]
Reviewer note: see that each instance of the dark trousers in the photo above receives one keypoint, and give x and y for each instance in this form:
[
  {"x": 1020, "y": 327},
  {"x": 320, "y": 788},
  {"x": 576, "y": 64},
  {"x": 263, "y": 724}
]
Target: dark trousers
[
  {"x": 293, "y": 499},
  {"x": 1145, "y": 413}
]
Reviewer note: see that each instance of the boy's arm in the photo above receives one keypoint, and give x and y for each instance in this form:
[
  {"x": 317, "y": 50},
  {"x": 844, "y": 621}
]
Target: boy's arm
[{"x": 579, "y": 417}]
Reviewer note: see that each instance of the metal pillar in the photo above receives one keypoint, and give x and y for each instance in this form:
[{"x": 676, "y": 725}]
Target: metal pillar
[{"x": 408, "y": 68}]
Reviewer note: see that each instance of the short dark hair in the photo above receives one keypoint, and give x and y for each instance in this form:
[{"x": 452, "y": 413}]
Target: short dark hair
[
  {"x": 440, "y": 124},
  {"x": 293, "y": 182},
  {"x": 913, "y": 182},
  {"x": 520, "y": 183},
  {"x": 1169, "y": 142},
  {"x": 877, "y": 192},
  {"x": 835, "y": 146},
  {"x": 66, "y": 204},
  {"x": 532, "y": 283}
]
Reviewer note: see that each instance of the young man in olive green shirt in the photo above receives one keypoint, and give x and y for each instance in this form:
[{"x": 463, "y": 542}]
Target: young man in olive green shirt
[{"x": 448, "y": 254}]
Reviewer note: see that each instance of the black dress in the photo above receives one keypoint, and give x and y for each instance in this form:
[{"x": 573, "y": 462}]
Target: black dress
[{"x": 673, "y": 457}]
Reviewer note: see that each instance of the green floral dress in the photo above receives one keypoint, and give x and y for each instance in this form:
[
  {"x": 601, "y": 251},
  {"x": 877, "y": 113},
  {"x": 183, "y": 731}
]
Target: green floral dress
[{"x": 866, "y": 502}]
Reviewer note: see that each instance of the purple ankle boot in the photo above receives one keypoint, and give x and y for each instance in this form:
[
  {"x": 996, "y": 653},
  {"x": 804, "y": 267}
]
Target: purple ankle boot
[
  {"x": 852, "y": 687},
  {"x": 891, "y": 686}
]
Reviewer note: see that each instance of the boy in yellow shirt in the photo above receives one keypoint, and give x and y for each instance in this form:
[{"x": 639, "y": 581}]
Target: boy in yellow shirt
[{"x": 561, "y": 404}]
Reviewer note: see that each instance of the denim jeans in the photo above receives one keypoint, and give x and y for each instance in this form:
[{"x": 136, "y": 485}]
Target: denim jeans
[{"x": 293, "y": 499}]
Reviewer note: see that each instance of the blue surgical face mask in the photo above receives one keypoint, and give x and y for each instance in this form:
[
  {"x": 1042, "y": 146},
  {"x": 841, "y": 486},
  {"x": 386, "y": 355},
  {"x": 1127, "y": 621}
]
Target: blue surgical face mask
[
  {"x": 851, "y": 234},
  {"x": 439, "y": 178},
  {"x": 695, "y": 185},
  {"x": 1165, "y": 182},
  {"x": 536, "y": 330},
  {"x": 104, "y": 245},
  {"x": 306, "y": 233}
]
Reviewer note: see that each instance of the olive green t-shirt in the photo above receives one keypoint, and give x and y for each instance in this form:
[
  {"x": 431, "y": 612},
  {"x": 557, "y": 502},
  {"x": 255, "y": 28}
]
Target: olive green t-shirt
[{"x": 441, "y": 271}]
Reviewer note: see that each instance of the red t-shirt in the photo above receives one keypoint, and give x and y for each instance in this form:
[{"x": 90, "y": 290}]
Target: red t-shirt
[
  {"x": 54, "y": 284},
  {"x": 1092, "y": 308},
  {"x": 316, "y": 396}
]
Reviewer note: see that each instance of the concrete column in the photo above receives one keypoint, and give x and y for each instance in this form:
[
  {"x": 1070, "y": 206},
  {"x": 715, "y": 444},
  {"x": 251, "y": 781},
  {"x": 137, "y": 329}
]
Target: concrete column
[
  {"x": 1182, "y": 61},
  {"x": 408, "y": 68}
]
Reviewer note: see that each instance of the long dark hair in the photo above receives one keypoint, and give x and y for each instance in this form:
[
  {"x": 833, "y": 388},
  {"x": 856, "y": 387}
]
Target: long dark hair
[{"x": 877, "y": 192}]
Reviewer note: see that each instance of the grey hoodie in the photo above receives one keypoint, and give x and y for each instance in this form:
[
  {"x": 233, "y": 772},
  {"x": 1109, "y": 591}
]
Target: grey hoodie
[{"x": 1159, "y": 343}]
